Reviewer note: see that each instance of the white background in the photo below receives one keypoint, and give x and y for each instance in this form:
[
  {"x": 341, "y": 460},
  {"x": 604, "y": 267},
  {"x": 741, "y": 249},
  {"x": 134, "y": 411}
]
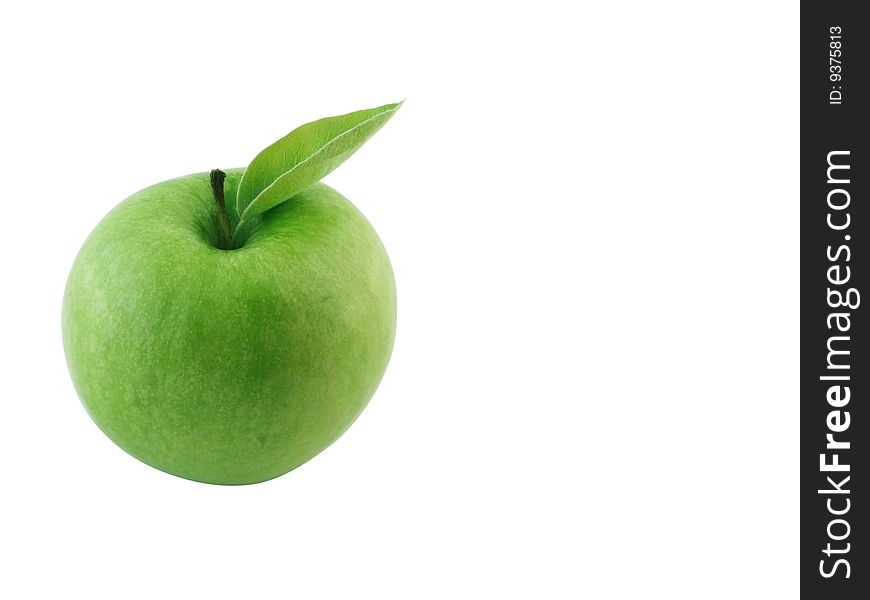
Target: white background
[{"x": 592, "y": 212}]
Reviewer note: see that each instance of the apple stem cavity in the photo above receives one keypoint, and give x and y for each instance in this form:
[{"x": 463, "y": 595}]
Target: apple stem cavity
[{"x": 217, "y": 188}]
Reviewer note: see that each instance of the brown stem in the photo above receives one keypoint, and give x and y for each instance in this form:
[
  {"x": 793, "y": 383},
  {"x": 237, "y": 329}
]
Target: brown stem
[{"x": 217, "y": 188}]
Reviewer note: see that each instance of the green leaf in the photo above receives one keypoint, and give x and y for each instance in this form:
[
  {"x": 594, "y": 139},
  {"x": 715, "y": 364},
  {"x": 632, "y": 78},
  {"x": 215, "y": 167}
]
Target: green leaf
[{"x": 304, "y": 156}]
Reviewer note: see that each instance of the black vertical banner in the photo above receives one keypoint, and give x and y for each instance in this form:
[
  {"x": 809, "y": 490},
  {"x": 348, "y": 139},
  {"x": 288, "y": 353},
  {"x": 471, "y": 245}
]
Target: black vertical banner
[{"x": 835, "y": 269}]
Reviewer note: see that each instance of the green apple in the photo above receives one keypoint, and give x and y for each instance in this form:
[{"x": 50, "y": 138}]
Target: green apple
[{"x": 230, "y": 342}]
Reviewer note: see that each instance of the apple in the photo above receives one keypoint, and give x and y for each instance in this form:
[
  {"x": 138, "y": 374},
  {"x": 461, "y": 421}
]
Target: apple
[{"x": 230, "y": 342}]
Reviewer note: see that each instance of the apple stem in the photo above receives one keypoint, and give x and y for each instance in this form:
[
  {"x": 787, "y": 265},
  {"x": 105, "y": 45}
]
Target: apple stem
[{"x": 217, "y": 188}]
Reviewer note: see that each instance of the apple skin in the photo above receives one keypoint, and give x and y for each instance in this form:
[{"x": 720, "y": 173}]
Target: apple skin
[{"x": 228, "y": 366}]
